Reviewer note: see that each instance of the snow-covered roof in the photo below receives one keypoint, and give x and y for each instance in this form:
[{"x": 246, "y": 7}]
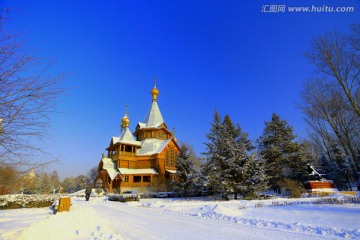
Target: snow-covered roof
[
  {"x": 153, "y": 118},
  {"x": 110, "y": 167},
  {"x": 112, "y": 173},
  {"x": 108, "y": 163},
  {"x": 137, "y": 171},
  {"x": 151, "y": 146},
  {"x": 171, "y": 171},
  {"x": 126, "y": 137},
  {"x": 142, "y": 125}
]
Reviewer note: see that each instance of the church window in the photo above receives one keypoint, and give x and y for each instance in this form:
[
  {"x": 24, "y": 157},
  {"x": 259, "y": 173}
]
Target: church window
[
  {"x": 170, "y": 157},
  {"x": 137, "y": 178},
  {"x": 167, "y": 157},
  {"x": 128, "y": 148}
]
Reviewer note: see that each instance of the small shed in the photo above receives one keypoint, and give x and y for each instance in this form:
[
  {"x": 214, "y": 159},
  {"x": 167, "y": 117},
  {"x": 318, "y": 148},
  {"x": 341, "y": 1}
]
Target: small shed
[{"x": 64, "y": 204}]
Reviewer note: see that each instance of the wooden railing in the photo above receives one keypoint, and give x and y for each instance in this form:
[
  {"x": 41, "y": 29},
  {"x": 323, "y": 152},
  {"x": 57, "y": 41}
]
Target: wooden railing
[{"x": 116, "y": 156}]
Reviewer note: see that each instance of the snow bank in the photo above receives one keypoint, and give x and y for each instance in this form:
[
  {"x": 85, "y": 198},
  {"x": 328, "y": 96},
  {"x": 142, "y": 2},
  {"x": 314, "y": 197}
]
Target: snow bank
[{"x": 26, "y": 201}]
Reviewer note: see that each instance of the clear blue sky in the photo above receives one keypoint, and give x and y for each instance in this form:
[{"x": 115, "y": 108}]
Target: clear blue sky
[{"x": 206, "y": 54}]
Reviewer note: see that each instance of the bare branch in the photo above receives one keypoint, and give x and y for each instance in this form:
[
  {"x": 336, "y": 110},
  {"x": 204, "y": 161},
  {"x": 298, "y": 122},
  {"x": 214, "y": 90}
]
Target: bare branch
[{"x": 27, "y": 98}]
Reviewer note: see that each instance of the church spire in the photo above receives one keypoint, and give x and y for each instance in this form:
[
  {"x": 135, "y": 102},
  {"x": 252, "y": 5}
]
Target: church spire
[
  {"x": 153, "y": 117},
  {"x": 154, "y": 92}
]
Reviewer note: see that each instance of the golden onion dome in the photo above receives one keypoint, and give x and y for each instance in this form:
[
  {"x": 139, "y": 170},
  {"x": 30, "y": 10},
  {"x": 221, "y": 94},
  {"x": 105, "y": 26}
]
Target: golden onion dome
[
  {"x": 154, "y": 92},
  {"x": 125, "y": 121}
]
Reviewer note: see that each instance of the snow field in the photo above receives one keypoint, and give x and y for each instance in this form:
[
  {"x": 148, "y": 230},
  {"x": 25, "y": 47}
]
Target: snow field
[
  {"x": 195, "y": 218},
  {"x": 325, "y": 220},
  {"x": 81, "y": 222}
]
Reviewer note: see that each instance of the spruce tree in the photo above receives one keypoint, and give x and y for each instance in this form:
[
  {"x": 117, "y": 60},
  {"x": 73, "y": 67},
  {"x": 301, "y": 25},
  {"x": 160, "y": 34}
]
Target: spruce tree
[
  {"x": 343, "y": 166},
  {"x": 227, "y": 157},
  {"x": 211, "y": 178},
  {"x": 281, "y": 154},
  {"x": 236, "y": 155},
  {"x": 255, "y": 178},
  {"x": 185, "y": 173}
]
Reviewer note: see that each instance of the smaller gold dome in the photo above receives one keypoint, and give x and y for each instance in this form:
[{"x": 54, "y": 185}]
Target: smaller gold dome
[{"x": 125, "y": 121}]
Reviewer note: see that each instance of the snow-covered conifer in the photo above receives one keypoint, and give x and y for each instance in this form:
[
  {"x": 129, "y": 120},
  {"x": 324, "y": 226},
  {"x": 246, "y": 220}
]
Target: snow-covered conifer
[
  {"x": 282, "y": 155},
  {"x": 255, "y": 178},
  {"x": 184, "y": 183},
  {"x": 229, "y": 150},
  {"x": 337, "y": 168},
  {"x": 211, "y": 171}
]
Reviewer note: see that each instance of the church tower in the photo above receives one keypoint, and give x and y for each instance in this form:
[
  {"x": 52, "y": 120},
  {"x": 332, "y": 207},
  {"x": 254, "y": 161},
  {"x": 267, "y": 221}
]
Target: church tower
[
  {"x": 153, "y": 125},
  {"x": 143, "y": 159}
]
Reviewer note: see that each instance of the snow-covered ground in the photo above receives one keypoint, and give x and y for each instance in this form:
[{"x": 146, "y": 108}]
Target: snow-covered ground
[{"x": 196, "y": 218}]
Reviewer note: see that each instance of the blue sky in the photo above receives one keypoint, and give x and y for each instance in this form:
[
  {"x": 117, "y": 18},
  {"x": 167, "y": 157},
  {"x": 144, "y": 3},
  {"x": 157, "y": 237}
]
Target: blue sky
[{"x": 207, "y": 55}]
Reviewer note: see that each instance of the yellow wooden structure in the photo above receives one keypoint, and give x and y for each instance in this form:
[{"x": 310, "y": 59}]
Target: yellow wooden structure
[
  {"x": 64, "y": 204},
  {"x": 141, "y": 160}
]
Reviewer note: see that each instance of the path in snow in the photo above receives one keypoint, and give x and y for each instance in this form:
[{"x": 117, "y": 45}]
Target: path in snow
[
  {"x": 148, "y": 223},
  {"x": 150, "y": 219}
]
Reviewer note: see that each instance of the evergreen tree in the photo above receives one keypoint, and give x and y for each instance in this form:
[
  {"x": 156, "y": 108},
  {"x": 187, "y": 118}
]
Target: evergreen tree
[
  {"x": 339, "y": 167},
  {"x": 255, "y": 178},
  {"x": 210, "y": 171},
  {"x": 227, "y": 157},
  {"x": 343, "y": 163},
  {"x": 281, "y": 154},
  {"x": 236, "y": 153},
  {"x": 184, "y": 184},
  {"x": 331, "y": 169}
]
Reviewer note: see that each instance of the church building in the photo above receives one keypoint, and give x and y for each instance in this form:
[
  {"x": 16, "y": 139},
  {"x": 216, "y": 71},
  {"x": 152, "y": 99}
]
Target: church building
[{"x": 143, "y": 160}]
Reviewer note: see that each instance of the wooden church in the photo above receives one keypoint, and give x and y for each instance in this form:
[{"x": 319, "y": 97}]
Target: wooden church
[{"x": 143, "y": 160}]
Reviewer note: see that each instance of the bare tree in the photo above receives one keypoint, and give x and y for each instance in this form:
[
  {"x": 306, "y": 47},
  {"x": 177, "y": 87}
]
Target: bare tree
[
  {"x": 331, "y": 101},
  {"x": 336, "y": 57},
  {"x": 92, "y": 174},
  {"x": 331, "y": 120},
  {"x": 28, "y": 96}
]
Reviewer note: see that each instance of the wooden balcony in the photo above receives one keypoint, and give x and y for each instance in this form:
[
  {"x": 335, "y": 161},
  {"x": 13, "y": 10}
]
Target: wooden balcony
[{"x": 116, "y": 156}]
